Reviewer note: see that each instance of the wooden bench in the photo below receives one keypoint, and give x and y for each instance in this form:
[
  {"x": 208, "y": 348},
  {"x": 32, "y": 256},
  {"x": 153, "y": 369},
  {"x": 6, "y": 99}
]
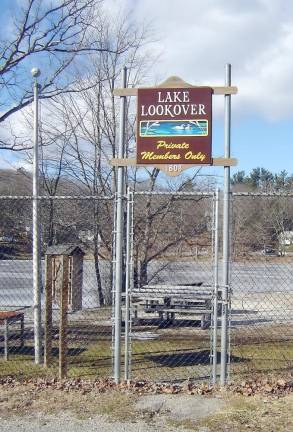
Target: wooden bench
[
  {"x": 168, "y": 300},
  {"x": 7, "y": 318}
]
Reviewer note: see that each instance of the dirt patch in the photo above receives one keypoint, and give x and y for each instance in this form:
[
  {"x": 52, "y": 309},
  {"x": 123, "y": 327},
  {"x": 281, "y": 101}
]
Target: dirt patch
[{"x": 183, "y": 407}]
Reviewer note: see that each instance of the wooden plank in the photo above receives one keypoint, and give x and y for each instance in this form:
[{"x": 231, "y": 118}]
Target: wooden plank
[
  {"x": 22, "y": 332},
  {"x": 174, "y": 82},
  {"x": 179, "y": 287},
  {"x": 132, "y": 162},
  {"x": 217, "y": 90},
  {"x": 6, "y": 338},
  {"x": 224, "y": 161},
  {"x": 184, "y": 294},
  {"x": 63, "y": 319},
  {"x": 48, "y": 311},
  {"x": 13, "y": 316},
  {"x": 174, "y": 299},
  {"x": 185, "y": 311},
  {"x": 225, "y": 90}
]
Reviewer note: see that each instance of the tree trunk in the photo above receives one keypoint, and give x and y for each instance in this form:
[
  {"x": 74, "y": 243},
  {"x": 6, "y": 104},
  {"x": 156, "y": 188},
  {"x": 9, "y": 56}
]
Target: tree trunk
[
  {"x": 136, "y": 277},
  {"x": 101, "y": 300},
  {"x": 108, "y": 287},
  {"x": 51, "y": 223},
  {"x": 143, "y": 273}
]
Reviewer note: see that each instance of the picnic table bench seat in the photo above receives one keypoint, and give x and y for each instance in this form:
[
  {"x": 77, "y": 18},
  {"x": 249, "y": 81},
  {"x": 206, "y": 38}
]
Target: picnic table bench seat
[{"x": 168, "y": 300}]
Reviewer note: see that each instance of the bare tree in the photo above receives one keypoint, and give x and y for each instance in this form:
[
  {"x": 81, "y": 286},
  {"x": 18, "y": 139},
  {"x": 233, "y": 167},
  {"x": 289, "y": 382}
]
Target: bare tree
[
  {"x": 163, "y": 222},
  {"x": 51, "y": 35},
  {"x": 88, "y": 130}
]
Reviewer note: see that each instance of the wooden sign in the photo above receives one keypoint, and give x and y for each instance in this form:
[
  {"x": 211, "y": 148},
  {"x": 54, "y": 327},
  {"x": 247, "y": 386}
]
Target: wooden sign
[{"x": 174, "y": 126}]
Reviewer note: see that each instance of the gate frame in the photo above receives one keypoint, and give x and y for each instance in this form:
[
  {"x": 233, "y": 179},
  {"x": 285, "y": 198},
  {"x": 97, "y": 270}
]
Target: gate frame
[{"x": 129, "y": 268}]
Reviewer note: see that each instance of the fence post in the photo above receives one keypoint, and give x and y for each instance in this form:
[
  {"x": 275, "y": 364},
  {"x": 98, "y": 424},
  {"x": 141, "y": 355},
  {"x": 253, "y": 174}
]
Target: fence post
[
  {"x": 128, "y": 267},
  {"x": 48, "y": 312},
  {"x": 63, "y": 319},
  {"x": 226, "y": 226},
  {"x": 216, "y": 285},
  {"x": 119, "y": 238}
]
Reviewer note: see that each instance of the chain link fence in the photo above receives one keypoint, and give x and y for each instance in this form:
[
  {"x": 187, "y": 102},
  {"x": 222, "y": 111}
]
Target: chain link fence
[
  {"x": 262, "y": 283},
  {"x": 168, "y": 301},
  {"x": 67, "y": 222}
]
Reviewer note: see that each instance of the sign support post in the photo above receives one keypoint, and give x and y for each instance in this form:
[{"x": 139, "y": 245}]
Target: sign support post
[
  {"x": 174, "y": 127},
  {"x": 119, "y": 237},
  {"x": 226, "y": 222}
]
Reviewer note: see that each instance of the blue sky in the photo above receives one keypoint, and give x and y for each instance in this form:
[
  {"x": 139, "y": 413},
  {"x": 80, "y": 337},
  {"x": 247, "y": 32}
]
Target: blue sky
[
  {"x": 194, "y": 39},
  {"x": 258, "y": 142}
]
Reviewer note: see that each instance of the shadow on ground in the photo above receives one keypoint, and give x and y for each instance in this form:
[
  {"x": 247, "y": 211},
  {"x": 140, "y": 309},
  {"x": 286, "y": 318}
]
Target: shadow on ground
[
  {"x": 192, "y": 358},
  {"x": 29, "y": 351}
]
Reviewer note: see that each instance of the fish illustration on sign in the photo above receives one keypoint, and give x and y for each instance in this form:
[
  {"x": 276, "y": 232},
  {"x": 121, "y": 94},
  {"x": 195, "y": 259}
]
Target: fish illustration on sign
[{"x": 174, "y": 128}]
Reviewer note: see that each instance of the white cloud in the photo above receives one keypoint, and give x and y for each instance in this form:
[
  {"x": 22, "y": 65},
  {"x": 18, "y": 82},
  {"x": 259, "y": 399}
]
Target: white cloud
[{"x": 256, "y": 36}]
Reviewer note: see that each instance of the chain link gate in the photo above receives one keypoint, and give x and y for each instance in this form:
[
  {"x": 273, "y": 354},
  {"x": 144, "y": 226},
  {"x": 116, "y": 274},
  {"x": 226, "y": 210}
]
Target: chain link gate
[{"x": 170, "y": 309}]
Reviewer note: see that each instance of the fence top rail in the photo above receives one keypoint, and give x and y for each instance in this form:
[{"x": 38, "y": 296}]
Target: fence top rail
[
  {"x": 262, "y": 194},
  {"x": 175, "y": 193},
  {"x": 58, "y": 197}
]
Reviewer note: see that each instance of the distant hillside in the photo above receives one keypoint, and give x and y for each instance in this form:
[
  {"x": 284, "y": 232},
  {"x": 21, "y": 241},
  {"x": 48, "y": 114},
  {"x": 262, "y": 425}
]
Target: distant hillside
[
  {"x": 15, "y": 182},
  {"x": 19, "y": 182}
]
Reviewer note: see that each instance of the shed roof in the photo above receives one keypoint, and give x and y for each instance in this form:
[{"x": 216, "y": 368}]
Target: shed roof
[{"x": 64, "y": 249}]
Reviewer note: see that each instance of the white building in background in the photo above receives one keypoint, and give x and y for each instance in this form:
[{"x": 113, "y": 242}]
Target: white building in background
[
  {"x": 88, "y": 236},
  {"x": 286, "y": 238}
]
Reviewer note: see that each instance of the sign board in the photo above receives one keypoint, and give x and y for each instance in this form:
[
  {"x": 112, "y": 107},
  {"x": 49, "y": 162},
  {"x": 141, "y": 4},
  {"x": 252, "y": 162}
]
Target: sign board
[{"x": 174, "y": 126}]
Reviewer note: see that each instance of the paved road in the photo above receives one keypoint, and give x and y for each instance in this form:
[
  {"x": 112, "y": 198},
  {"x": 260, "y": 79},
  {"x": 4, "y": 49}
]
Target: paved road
[
  {"x": 16, "y": 283},
  {"x": 16, "y": 278}
]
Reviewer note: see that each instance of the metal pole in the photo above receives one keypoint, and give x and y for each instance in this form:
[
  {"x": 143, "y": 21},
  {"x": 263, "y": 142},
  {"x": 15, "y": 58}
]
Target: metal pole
[
  {"x": 36, "y": 234},
  {"x": 127, "y": 286},
  {"x": 226, "y": 224},
  {"x": 216, "y": 285},
  {"x": 119, "y": 238}
]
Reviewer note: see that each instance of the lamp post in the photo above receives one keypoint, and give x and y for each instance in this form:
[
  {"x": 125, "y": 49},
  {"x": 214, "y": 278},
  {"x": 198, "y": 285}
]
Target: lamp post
[
  {"x": 119, "y": 236},
  {"x": 37, "y": 269}
]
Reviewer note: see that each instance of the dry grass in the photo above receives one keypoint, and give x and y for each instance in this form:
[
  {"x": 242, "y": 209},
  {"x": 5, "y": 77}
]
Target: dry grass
[
  {"x": 26, "y": 399},
  {"x": 258, "y": 413}
]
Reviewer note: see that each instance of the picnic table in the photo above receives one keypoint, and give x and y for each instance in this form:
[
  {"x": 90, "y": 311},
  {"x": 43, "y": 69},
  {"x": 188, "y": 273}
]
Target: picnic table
[
  {"x": 170, "y": 300},
  {"x": 7, "y": 318}
]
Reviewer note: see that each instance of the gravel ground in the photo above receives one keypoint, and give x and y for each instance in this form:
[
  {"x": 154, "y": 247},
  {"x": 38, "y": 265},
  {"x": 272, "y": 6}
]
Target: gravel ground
[
  {"x": 66, "y": 422},
  {"x": 27, "y": 409}
]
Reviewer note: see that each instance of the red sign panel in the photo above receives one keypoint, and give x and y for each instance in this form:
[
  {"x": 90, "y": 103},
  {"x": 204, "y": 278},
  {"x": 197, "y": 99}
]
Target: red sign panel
[{"x": 174, "y": 126}]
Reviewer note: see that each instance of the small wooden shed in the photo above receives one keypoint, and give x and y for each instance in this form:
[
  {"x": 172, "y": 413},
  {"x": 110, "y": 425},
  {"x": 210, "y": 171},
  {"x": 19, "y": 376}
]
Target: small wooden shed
[{"x": 54, "y": 268}]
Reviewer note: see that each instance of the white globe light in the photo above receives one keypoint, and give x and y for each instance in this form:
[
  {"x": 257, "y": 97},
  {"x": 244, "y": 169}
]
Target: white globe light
[{"x": 35, "y": 72}]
